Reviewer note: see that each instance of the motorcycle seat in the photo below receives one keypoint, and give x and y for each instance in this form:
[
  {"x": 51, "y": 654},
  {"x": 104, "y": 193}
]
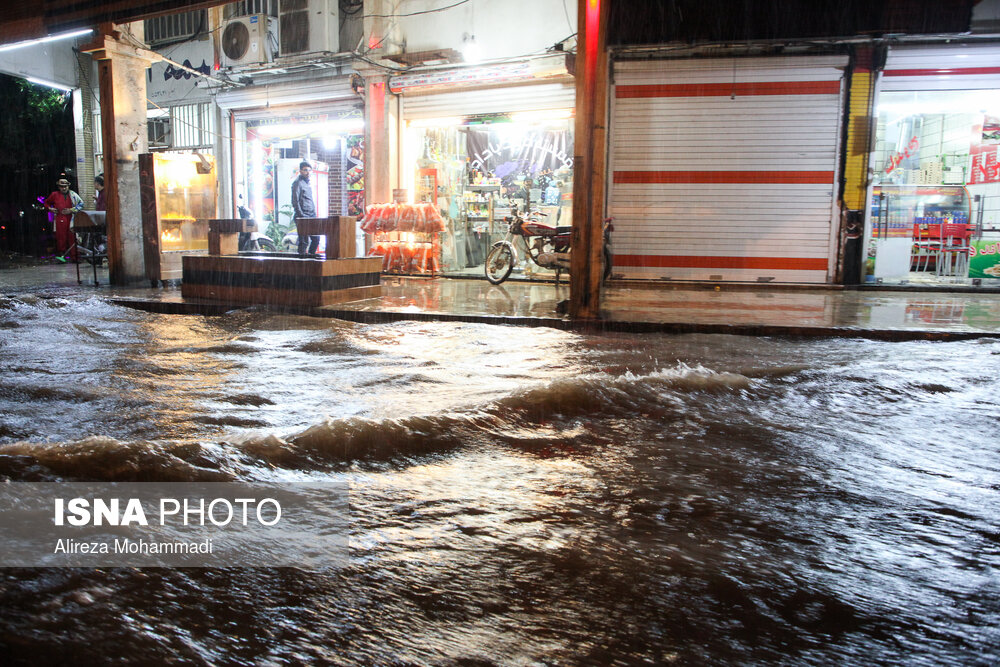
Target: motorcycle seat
[{"x": 564, "y": 229}]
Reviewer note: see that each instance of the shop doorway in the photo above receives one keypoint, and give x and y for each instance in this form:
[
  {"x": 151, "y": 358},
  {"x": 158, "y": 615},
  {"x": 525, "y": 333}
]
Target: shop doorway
[
  {"x": 934, "y": 205},
  {"x": 477, "y": 171}
]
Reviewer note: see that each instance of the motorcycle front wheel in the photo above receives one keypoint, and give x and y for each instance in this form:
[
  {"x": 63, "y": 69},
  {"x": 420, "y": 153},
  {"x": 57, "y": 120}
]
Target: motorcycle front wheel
[
  {"x": 499, "y": 263},
  {"x": 267, "y": 244}
]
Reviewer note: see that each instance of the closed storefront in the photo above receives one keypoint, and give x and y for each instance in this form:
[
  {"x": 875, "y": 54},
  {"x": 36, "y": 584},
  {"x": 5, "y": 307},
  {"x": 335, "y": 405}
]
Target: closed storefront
[{"x": 725, "y": 169}]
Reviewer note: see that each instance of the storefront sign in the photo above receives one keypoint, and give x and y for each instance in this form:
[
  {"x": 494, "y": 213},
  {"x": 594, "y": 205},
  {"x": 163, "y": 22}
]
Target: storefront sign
[
  {"x": 985, "y": 167},
  {"x": 895, "y": 160},
  {"x": 530, "y": 152},
  {"x": 984, "y": 259}
]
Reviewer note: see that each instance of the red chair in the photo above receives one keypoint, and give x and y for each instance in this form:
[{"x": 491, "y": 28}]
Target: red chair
[
  {"x": 926, "y": 245},
  {"x": 953, "y": 255}
]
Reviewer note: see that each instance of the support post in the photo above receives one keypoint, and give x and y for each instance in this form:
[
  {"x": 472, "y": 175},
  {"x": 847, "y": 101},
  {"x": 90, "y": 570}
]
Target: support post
[
  {"x": 378, "y": 158},
  {"x": 590, "y": 171},
  {"x": 122, "y": 72}
]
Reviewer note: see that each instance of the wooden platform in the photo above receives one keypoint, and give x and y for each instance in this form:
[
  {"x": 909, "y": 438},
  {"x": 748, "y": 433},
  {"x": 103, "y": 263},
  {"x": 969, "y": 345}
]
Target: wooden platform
[{"x": 281, "y": 280}]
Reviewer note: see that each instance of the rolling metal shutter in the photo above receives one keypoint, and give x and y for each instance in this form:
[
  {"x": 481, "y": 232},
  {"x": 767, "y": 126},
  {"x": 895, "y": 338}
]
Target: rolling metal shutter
[
  {"x": 726, "y": 169},
  {"x": 534, "y": 97},
  {"x": 952, "y": 67},
  {"x": 290, "y": 98}
]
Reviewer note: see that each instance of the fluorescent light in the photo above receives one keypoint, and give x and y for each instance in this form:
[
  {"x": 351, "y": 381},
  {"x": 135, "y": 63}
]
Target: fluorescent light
[
  {"x": 939, "y": 102},
  {"x": 436, "y": 122},
  {"x": 534, "y": 116},
  {"x": 50, "y": 84},
  {"x": 471, "y": 52},
  {"x": 309, "y": 129},
  {"x": 43, "y": 40}
]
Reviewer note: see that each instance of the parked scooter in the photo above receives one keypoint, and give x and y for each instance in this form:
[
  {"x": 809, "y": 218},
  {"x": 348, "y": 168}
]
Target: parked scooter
[
  {"x": 547, "y": 246},
  {"x": 253, "y": 241}
]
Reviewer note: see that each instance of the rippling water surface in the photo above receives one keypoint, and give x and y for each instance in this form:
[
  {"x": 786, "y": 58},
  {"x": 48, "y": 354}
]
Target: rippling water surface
[{"x": 521, "y": 496}]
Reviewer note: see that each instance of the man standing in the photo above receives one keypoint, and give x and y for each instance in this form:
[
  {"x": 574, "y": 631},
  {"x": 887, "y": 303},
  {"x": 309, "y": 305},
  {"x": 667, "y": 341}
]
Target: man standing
[
  {"x": 303, "y": 206},
  {"x": 100, "y": 204},
  {"x": 63, "y": 202}
]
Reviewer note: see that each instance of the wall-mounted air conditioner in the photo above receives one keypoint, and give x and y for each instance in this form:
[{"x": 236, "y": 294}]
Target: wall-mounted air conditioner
[
  {"x": 158, "y": 132},
  {"x": 308, "y": 26},
  {"x": 244, "y": 41}
]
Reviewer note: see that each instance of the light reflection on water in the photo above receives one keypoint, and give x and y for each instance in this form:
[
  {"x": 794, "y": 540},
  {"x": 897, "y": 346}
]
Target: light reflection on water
[{"x": 522, "y": 496}]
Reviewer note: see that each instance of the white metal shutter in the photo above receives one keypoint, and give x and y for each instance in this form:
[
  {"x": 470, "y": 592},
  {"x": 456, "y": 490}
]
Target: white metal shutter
[
  {"x": 726, "y": 169},
  {"x": 951, "y": 67},
  {"x": 300, "y": 98},
  {"x": 502, "y": 99}
]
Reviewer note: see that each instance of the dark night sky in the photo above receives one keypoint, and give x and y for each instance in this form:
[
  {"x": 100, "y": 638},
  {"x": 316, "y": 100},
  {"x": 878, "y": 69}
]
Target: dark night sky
[{"x": 693, "y": 21}]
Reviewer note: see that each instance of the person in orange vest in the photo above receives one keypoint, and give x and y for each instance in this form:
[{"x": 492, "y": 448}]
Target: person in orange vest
[{"x": 63, "y": 203}]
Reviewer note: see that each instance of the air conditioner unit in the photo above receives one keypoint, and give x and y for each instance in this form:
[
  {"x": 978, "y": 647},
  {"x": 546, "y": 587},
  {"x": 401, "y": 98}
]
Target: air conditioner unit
[
  {"x": 308, "y": 26},
  {"x": 244, "y": 41},
  {"x": 158, "y": 132}
]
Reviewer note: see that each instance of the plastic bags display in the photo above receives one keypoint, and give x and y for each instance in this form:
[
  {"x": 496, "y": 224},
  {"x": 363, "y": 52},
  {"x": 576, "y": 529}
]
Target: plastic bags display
[
  {"x": 424, "y": 218},
  {"x": 405, "y": 236}
]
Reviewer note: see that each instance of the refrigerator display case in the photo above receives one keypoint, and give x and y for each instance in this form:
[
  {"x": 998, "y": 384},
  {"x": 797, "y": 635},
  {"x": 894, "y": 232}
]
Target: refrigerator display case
[{"x": 179, "y": 196}]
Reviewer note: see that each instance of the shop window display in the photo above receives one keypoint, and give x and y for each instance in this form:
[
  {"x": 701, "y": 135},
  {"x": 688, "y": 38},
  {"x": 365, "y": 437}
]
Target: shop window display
[
  {"x": 476, "y": 171},
  {"x": 935, "y": 203}
]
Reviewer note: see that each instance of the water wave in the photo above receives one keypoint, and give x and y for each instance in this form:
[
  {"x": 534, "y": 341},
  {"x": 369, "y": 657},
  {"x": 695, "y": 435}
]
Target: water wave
[
  {"x": 107, "y": 459},
  {"x": 543, "y": 416}
]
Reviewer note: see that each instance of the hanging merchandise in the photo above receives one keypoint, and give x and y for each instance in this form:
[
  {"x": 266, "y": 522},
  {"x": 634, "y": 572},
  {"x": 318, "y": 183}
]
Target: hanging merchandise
[{"x": 406, "y": 237}]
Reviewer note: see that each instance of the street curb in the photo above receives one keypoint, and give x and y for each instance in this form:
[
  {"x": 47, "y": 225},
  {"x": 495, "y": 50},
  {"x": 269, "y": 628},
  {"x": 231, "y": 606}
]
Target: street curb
[{"x": 601, "y": 326}]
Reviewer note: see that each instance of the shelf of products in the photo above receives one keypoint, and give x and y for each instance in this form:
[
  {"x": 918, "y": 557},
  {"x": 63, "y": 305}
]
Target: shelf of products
[
  {"x": 406, "y": 236},
  {"x": 479, "y": 201}
]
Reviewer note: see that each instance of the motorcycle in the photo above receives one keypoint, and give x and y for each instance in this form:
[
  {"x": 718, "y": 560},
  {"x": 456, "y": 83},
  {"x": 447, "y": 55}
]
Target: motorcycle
[
  {"x": 546, "y": 245},
  {"x": 253, "y": 241}
]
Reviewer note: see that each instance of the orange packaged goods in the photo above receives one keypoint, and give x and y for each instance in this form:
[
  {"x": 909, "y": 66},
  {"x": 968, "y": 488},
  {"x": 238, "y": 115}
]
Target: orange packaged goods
[
  {"x": 407, "y": 250},
  {"x": 368, "y": 223},
  {"x": 387, "y": 218},
  {"x": 419, "y": 218},
  {"x": 433, "y": 220},
  {"x": 407, "y": 218},
  {"x": 422, "y": 259},
  {"x": 405, "y": 236}
]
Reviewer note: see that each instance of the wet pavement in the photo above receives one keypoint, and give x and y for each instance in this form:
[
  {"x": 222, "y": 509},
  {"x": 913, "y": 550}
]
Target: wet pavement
[{"x": 703, "y": 308}]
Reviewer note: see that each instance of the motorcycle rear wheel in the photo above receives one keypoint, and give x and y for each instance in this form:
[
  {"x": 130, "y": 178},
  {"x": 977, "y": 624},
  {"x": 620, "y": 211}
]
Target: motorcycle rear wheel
[{"x": 499, "y": 263}]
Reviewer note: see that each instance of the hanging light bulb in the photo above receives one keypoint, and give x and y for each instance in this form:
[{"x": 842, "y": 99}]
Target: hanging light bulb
[{"x": 470, "y": 49}]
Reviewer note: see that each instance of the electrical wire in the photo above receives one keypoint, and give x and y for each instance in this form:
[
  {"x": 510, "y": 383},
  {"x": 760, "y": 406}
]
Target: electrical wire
[
  {"x": 425, "y": 11},
  {"x": 568, "y": 21}
]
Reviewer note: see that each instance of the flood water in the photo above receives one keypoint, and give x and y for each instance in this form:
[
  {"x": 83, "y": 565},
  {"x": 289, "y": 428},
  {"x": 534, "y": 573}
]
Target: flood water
[{"x": 520, "y": 496}]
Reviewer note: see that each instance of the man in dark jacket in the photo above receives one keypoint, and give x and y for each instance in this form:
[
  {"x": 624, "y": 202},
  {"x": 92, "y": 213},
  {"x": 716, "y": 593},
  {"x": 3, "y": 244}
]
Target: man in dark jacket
[{"x": 303, "y": 206}]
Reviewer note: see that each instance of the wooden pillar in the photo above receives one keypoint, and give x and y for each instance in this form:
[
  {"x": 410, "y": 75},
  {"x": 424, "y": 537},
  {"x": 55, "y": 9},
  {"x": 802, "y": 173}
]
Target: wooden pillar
[
  {"x": 590, "y": 171},
  {"x": 338, "y": 230},
  {"x": 122, "y": 75}
]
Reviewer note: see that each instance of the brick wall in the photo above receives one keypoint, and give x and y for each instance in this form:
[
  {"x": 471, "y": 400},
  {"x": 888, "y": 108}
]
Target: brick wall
[{"x": 336, "y": 183}]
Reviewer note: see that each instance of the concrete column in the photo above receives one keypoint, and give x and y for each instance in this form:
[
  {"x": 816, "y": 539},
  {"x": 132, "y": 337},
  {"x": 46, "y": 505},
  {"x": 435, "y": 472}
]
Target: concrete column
[
  {"x": 122, "y": 74},
  {"x": 378, "y": 150}
]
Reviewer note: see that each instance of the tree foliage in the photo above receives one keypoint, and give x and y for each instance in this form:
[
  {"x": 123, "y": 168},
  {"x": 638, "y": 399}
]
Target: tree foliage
[{"x": 36, "y": 128}]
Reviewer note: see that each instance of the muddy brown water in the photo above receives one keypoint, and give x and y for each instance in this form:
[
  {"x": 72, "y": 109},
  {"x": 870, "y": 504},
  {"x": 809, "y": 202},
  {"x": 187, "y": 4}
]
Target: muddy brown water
[{"x": 520, "y": 496}]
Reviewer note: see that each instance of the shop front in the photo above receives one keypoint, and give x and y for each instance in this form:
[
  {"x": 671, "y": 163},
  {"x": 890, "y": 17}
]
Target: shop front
[
  {"x": 725, "y": 169},
  {"x": 274, "y": 129},
  {"x": 934, "y": 206},
  {"x": 479, "y": 156}
]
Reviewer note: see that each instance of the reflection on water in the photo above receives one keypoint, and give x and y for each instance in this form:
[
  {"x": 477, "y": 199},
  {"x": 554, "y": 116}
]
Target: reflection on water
[{"x": 521, "y": 496}]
